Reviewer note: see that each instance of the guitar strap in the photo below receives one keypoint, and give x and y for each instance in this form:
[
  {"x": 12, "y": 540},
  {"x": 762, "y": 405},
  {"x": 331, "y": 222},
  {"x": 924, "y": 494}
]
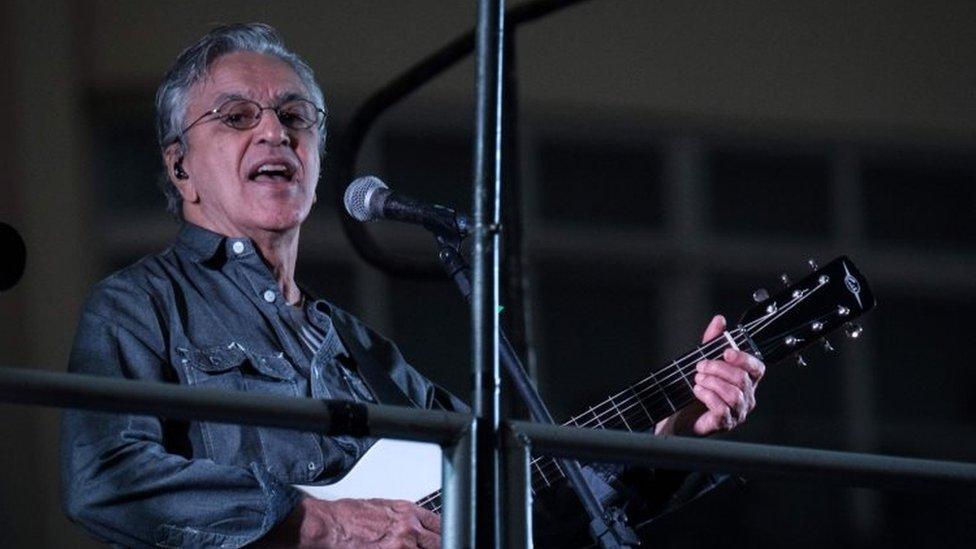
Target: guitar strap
[{"x": 377, "y": 377}]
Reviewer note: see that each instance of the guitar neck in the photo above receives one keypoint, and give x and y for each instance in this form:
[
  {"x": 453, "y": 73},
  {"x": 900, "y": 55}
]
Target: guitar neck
[{"x": 638, "y": 408}]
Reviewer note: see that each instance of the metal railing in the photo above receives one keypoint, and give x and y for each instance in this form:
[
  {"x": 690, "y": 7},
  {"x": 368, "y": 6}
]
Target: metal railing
[{"x": 455, "y": 433}]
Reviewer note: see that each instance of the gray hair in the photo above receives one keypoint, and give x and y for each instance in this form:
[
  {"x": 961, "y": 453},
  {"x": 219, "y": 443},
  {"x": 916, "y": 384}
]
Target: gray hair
[{"x": 192, "y": 65}]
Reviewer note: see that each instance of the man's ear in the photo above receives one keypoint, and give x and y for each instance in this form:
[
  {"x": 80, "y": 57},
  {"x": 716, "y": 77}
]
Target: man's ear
[{"x": 173, "y": 158}]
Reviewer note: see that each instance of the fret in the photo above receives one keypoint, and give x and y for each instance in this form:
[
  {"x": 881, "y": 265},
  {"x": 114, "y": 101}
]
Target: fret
[
  {"x": 682, "y": 373},
  {"x": 657, "y": 385},
  {"x": 640, "y": 402},
  {"x": 559, "y": 468},
  {"x": 596, "y": 417},
  {"x": 619, "y": 413},
  {"x": 542, "y": 475},
  {"x": 555, "y": 472}
]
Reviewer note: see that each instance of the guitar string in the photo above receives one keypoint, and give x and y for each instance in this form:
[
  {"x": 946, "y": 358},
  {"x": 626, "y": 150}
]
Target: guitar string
[
  {"x": 635, "y": 411},
  {"x": 675, "y": 366},
  {"x": 640, "y": 406},
  {"x": 554, "y": 469},
  {"x": 626, "y": 419},
  {"x": 708, "y": 348}
]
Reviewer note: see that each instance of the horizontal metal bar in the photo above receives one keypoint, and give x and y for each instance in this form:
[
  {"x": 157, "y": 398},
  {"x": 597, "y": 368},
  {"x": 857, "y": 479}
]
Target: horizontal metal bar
[
  {"x": 844, "y": 468},
  {"x": 196, "y": 403},
  {"x": 445, "y": 428}
]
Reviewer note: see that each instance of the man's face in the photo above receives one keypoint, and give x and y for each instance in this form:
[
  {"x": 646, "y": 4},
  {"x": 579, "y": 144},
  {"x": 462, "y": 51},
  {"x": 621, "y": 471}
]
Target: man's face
[{"x": 231, "y": 196}]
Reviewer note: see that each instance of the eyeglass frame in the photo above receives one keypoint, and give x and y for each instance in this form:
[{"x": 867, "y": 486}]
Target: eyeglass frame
[{"x": 257, "y": 119}]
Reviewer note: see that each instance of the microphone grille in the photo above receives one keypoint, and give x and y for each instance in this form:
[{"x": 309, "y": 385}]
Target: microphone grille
[{"x": 358, "y": 195}]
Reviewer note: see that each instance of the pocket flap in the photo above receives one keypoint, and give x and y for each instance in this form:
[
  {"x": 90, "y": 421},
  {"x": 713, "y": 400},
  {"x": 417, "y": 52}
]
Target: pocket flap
[
  {"x": 276, "y": 366},
  {"x": 213, "y": 359}
]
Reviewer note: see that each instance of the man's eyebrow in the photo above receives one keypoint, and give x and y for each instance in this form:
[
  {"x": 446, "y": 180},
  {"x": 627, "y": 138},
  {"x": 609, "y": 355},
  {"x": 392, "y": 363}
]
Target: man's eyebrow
[
  {"x": 225, "y": 97},
  {"x": 284, "y": 97}
]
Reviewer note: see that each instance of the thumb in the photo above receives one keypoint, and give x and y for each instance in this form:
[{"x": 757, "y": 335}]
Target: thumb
[{"x": 715, "y": 328}]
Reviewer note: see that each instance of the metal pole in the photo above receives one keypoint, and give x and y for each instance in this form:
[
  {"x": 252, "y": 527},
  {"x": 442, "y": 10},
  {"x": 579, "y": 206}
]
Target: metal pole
[
  {"x": 457, "y": 478},
  {"x": 518, "y": 489},
  {"x": 484, "y": 298},
  {"x": 784, "y": 462}
]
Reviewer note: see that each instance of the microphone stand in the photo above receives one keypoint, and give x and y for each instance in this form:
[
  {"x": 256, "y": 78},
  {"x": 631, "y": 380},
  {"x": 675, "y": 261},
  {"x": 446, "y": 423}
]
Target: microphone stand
[{"x": 608, "y": 526}]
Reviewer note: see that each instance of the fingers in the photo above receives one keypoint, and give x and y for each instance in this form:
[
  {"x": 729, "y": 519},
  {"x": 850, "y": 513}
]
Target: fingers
[
  {"x": 736, "y": 401},
  {"x": 726, "y": 372},
  {"x": 714, "y": 329},
  {"x": 429, "y": 520},
  {"x": 755, "y": 367},
  {"x": 718, "y": 417},
  {"x": 728, "y": 389},
  {"x": 428, "y": 540},
  {"x": 410, "y": 525}
]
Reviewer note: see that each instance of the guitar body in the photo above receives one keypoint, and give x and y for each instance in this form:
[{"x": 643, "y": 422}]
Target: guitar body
[{"x": 390, "y": 469}]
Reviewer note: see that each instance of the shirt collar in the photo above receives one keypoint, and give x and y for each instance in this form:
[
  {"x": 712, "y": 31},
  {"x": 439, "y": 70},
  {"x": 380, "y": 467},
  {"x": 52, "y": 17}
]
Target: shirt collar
[{"x": 201, "y": 243}]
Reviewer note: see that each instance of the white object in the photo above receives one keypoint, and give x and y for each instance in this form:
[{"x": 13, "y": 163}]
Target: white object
[{"x": 390, "y": 469}]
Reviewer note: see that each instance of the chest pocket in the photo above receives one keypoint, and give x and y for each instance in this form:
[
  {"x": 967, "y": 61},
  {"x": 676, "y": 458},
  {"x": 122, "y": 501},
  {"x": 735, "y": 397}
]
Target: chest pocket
[
  {"x": 289, "y": 455},
  {"x": 232, "y": 367}
]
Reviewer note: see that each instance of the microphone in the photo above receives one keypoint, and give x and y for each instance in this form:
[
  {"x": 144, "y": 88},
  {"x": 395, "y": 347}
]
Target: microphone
[
  {"x": 368, "y": 198},
  {"x": 13, "y": 257}
]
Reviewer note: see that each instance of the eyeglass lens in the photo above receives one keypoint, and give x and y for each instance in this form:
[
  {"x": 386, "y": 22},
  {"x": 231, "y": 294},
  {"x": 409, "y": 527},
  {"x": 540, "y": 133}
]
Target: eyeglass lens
[{"x": 243, "y": 114}]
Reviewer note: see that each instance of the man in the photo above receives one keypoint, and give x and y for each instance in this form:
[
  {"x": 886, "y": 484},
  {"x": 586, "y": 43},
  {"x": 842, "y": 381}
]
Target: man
[{"x": 241, "y": 127}]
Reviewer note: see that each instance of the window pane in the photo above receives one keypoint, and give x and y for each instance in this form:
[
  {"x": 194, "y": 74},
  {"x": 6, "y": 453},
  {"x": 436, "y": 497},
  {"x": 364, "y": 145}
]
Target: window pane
[
  {"x": 916, "y": 202},
  {"x": 600, "y": 183},
  {"x": 597, "y": 333},
  {"x": 431, "y": 325},
  {"x": 769, "y": 193},
  {"x": 126, "y": 165},
  {"x": 433, "y": 167}
]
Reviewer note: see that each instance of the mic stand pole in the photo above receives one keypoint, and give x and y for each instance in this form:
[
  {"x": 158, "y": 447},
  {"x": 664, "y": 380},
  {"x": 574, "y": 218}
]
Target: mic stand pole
[{"x": 607, "y": 526}]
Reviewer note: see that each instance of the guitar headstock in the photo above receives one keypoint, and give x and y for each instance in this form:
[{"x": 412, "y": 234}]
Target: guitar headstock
[{"x": 801, "y": 315}]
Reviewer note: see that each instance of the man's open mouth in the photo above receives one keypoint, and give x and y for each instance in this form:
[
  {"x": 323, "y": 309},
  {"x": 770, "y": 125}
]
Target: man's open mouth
[{"x": 272, "y": 171}]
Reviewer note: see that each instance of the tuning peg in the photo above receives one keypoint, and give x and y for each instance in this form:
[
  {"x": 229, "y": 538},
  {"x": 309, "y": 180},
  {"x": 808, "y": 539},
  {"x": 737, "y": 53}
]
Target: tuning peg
[
  {"x": 760, "y": 295},
  {"x": 785, "y": 279},
  {"x": 853, "y": 330},
  {"x": 813, "y": 264},
  {"x": 827, "y": 347},
  {"x": 800, "y": 361}
]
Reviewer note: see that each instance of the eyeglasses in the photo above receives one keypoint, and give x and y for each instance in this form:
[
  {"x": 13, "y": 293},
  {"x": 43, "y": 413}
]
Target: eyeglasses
[{"x": 244, "y": 114}]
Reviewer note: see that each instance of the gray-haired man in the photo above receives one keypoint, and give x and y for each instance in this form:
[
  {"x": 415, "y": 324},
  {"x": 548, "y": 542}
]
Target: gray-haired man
[{"x": 241, "y": 127}]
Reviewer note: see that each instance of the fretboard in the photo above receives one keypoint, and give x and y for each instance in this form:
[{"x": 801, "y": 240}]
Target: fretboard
[{"x": 638, "y": 408}]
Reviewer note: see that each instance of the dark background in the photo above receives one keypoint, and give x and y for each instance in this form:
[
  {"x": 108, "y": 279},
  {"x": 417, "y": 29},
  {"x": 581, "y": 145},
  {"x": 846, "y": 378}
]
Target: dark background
[{"x": 674, "y": 157}]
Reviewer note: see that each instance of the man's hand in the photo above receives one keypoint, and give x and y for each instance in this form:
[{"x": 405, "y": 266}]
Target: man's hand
[
  {"x": 350, "y": 523},
  {"x": 726, "y": 391}
]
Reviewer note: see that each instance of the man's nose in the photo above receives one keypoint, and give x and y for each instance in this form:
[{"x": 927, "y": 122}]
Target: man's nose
[{"x": 271, "y": 131}]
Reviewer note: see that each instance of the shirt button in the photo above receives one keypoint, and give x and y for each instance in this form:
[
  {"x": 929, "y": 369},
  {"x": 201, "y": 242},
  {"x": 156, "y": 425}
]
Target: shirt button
[
  {"x": 238, "y": 247},
  {"x": 311, "y": 466},
  {"x": 269, "y": 296}
]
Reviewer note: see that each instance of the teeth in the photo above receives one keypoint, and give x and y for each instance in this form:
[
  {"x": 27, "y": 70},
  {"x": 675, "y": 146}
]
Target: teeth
[{"x": 263, "y": 168}]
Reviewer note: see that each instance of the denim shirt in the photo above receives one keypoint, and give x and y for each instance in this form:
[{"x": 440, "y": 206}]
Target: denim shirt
[{"x": 208, "y": 312}]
